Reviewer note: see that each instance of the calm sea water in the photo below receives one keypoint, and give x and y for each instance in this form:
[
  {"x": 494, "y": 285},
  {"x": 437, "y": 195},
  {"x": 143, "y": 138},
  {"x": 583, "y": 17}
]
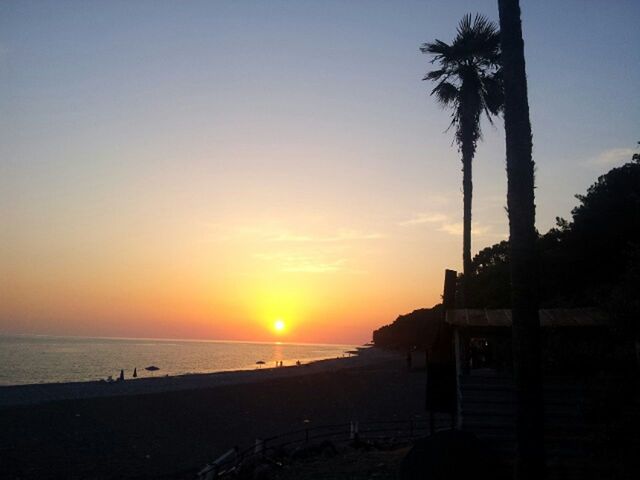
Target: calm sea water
[{"x": 26, "y": 359}]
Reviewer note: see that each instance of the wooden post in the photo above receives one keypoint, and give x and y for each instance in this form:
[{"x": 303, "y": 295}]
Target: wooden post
[
  {"x": 449, "y": 294},
  {"x": 439, "y": 355},
  {"x": 457, "y": 412},
  {"x": 449, "y": 302}
]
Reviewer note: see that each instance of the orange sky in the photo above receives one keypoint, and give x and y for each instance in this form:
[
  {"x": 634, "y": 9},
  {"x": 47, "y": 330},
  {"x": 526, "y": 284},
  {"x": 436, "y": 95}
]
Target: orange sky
[
  {"x": 200, "y": 280},
  {"x": 201, "y": 170}
]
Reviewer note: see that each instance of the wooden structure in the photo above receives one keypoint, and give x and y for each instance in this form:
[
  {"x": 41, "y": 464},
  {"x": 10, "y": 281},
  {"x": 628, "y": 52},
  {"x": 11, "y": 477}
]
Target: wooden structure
[
  {"x": 440, "y": 388},
  {"x": 580, "y": 397}
]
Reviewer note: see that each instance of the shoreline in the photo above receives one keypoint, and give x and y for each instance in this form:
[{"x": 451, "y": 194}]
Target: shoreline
[
  {"x": 171, "y": 434},
  {"x": 39, "y": 393}
]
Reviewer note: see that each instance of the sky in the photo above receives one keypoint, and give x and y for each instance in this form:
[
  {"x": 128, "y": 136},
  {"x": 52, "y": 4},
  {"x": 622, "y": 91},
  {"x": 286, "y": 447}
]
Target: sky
[{"x": 202, "y": 169}]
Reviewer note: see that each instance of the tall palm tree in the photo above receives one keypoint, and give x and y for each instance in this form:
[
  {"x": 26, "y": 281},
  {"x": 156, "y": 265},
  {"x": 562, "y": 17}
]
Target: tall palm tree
[
  {"x": 522, "y": 240},
  {"x": 468, "y": 81}
]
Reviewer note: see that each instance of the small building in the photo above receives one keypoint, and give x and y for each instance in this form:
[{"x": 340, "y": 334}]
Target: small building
[{"x": 588, "y": 392}]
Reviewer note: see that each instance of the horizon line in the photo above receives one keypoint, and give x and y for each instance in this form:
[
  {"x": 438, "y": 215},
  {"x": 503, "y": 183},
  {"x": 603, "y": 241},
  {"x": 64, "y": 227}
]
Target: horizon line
[{"x": 255, "y": 342}]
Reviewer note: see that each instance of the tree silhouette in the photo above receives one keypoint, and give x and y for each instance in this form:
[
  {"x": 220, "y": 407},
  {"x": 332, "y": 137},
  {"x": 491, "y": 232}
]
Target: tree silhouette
[
  {"x": 468, "y": 81},
  {"x": 584, "y": 260},
  {"x": 522, "y": 240}
]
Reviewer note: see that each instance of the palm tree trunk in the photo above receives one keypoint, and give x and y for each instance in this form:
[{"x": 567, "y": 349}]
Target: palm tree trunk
[
  {"x": 468, "y": 151},
  {"x": 522, "y": 238},
  {"x": 467, "y": 193}
]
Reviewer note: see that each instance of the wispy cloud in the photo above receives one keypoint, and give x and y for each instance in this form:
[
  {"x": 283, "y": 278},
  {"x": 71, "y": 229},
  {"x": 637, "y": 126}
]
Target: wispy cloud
[
  {"x": 303, "y": 263},
  {"x": 439, "y": 200},
  {"x": 424, "y": 218},
  {"x": 296, "y": 250},
  {"x": 611, "y": 157},
  {"x": 456, "y": 229},
  {"x": 274, "y": 234},
  {"x": 341, "y": 236},
  {"x": 444, "y": 223}
]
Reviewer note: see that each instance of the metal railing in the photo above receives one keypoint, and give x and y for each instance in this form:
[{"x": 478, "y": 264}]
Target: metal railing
[{"x": 270, "y": 449}]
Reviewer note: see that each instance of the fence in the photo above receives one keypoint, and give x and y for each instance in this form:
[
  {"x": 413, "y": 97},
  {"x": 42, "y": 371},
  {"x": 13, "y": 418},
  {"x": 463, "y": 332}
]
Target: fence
[{"x": 268, "y": 448}]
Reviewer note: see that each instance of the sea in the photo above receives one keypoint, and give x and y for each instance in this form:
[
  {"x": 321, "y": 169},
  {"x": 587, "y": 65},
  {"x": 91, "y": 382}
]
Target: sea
[{"x": 29, "y": 359}]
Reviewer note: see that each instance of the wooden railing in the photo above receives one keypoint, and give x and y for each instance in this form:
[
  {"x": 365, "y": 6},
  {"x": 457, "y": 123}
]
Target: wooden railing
[{"x": 270, "y": 449}]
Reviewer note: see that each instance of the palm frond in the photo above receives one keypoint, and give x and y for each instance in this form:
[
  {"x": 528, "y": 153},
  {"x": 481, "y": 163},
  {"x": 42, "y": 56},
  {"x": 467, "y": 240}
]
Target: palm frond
[
  {"x": 436, "y": 48},
  {"x": 465, "y": 24},
  {"x": 479, "y": 28},
  {"x": 493, "y": 94},
  {"x": 478, "y": 40},
  {"x": 442, "y": 53},
  {"x": 436, "y": 74},
  {"x": 467, "y": 75},
  {"x": 446, "y": 93}
]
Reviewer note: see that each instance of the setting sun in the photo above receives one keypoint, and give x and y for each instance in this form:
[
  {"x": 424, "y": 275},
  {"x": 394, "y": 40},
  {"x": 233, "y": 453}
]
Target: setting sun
[
  {"x": 276, "y": 252},
  {"x": 279, "y": 325}
]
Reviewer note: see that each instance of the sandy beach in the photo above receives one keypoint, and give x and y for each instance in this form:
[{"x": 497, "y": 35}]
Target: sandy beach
[{"x": 170, "y": 427}]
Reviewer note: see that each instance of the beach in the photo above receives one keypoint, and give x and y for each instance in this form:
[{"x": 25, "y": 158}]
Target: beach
[
  {"x": 170, "y": 427},
  {"x": 32, "y": 394}
]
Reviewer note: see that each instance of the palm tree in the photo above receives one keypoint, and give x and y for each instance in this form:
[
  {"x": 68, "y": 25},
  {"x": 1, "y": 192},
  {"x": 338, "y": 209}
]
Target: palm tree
[
  {"x": 522, "y": 239},
  {"x": 469, "y": 82}
]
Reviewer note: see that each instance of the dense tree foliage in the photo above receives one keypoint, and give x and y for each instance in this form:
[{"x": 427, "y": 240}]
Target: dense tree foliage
[
  {"x": 591, "y": 260},
  {"x": 418, "y": 328},
  {"x": 489, "y": 284}
]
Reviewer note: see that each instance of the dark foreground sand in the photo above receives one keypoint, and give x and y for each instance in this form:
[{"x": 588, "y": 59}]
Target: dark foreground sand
[{"x": 172, "y": 433}]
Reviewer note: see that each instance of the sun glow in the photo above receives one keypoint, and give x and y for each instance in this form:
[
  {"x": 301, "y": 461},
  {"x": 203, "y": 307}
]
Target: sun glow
[{"x": 279, "y": 325}]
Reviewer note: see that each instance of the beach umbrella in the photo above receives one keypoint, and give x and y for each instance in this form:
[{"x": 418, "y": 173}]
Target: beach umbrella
[
  {"x": 135, "y": 373},
  {"x": 260, "y": 363},
  {"x": 152, "y": 368}
]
